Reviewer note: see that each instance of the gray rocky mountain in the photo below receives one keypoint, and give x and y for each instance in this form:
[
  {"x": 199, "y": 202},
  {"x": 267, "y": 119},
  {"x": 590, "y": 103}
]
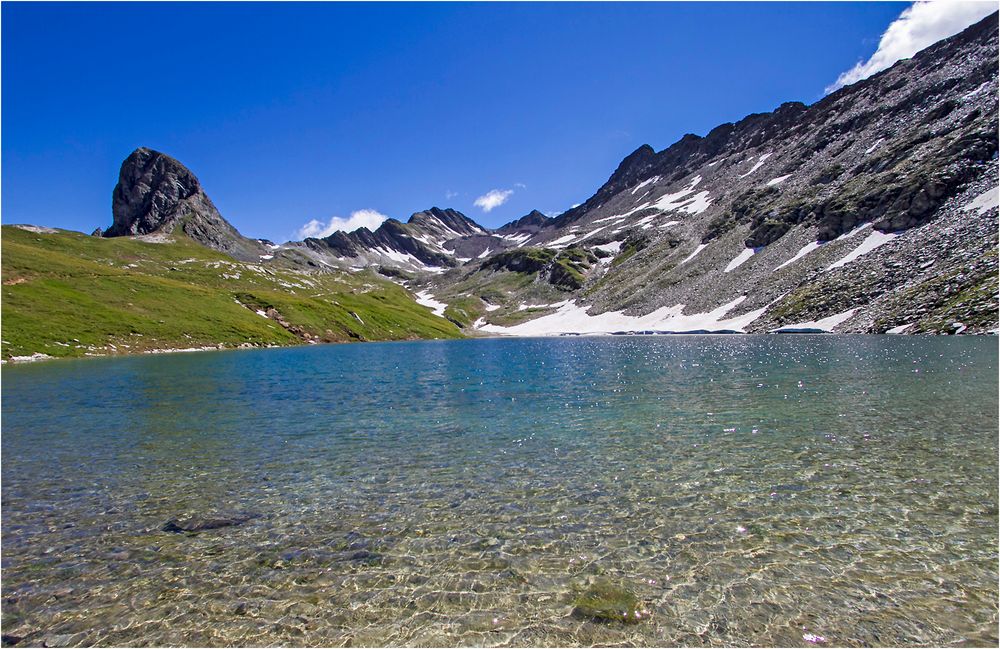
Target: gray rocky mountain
[
  {"x": 529, "y": 223},
  {"x": 430, "y": 241},
  {"x": 418, "y": 244},
  {"x": 157, "y": 195},
  {"x": 873, "y": 210}
]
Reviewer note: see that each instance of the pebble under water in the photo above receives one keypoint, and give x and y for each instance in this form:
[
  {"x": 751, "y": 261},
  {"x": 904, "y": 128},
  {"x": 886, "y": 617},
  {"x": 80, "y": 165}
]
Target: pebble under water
[{"x": 748, "y": 490}]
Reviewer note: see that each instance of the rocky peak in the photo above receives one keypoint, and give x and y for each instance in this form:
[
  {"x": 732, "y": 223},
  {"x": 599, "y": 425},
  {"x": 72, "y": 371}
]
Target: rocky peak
[
  {"x": 157, "y": 194},
  {"x": 531, "y": 222},
  {"x": 449, "y": 218},
  {"x": 635, "y": 166},
  {"x": 151, "y": 186}
]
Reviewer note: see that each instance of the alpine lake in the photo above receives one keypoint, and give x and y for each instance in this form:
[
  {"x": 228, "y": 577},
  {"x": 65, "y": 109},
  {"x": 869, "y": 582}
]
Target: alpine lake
[{"x": 614, "y": 491}]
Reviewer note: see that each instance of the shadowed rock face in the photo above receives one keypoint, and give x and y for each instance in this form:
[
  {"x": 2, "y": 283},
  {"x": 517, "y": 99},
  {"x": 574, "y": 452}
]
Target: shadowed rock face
[
  {"x": 529, "y": 223},
  {"x": 157, "y": 194}
]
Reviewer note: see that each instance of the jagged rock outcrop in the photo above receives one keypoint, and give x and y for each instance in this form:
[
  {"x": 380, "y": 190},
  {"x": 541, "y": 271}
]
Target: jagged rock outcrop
[{"x": 156, "y": 194}]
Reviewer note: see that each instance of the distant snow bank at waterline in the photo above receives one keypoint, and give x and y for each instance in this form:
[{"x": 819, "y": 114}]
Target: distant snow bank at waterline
[
  {"x": 572, "y": 318},
  {"x": 823, "y": 325}
]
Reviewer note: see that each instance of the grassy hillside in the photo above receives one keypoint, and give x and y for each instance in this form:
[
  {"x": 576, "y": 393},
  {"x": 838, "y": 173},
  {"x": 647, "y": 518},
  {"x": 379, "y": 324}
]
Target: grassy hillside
[{"x": 68, "y": 294}]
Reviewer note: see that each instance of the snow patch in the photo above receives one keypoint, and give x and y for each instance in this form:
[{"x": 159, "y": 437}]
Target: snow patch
[
  {"x": 37, "y": 356},
  {"x": 760, "y": 161},
  {"x": 806, "y": 249},
  {"x": 561, "y": 242},
  {"x": 555, "y": 305},
  {"x": 484, "y": 254},
  {"x": 646, "y": 223},
  {"x": 698, "y": 204},
  {"x": 517, "y": 238},
  {"x": 848, "y": 235},
  {"x": 738, "y": 261},
  {"x": 779, "y": 179},
  {"x": 426, "y": 299},
  {"x": 632, "y": 211},
  {"x": 186, "y": 350},
  {"x": 612, "y": 247},
  {"x": 874, "y": 146},
  {"x": 571, "y": 318},
  {"x": 871, "y": 242},
  {"x": 403, "y": 258},
  {"x": 679, "y": 199},
  {"x": 592, "y": 233},
  {"x": 683, "y": 202},
  {"x": 898, "y": 330},
  {"x": 824, "y": 325},
  {"x": 644, "y": 183},
  {"x": 434, "y": 243},
  {"x": 984, "y": 202},
  {"x": 700, "y": 247}
]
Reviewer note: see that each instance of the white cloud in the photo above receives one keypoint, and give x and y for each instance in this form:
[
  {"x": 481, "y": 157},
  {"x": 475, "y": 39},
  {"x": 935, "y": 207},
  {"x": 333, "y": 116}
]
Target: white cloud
[
  {"x": 920, "y": 25},
  {"x": 370, "y": 219},
  {"x": 493, "y": 199},
  {"x": 521, "y": 185},
  {"x": 450, "y": 194}
]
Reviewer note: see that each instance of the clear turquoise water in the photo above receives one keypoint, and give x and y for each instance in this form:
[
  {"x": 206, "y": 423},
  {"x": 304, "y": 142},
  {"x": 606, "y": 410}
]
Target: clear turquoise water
[{"x": 750, "y": 490}]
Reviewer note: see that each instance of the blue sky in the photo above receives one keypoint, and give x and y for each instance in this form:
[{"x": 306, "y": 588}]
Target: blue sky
[{"x": 296, "y": 112}]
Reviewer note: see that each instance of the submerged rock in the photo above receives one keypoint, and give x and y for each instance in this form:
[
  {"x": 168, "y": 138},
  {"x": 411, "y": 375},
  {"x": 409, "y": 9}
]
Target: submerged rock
[
  {"x": 365, "y": 556},
  {"x": 201, "y": 523},
  {"x": 606, "y": 601}
]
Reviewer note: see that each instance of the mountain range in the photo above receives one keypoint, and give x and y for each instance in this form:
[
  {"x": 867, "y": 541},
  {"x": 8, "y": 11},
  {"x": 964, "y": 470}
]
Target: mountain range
[{"x": 873, "y": 210}]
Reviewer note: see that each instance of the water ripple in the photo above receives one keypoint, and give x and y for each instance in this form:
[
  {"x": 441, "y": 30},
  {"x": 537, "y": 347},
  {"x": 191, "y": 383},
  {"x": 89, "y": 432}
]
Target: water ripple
[{"x": 750, "y": 490}]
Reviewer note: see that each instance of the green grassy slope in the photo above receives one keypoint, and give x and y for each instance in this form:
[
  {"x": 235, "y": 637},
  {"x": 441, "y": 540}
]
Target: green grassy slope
[{"x": 68, "y": 294}]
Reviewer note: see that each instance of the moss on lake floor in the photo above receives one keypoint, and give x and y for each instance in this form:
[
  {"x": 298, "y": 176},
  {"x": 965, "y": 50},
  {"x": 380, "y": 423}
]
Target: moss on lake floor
[{"x": 606, "y": 601}]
